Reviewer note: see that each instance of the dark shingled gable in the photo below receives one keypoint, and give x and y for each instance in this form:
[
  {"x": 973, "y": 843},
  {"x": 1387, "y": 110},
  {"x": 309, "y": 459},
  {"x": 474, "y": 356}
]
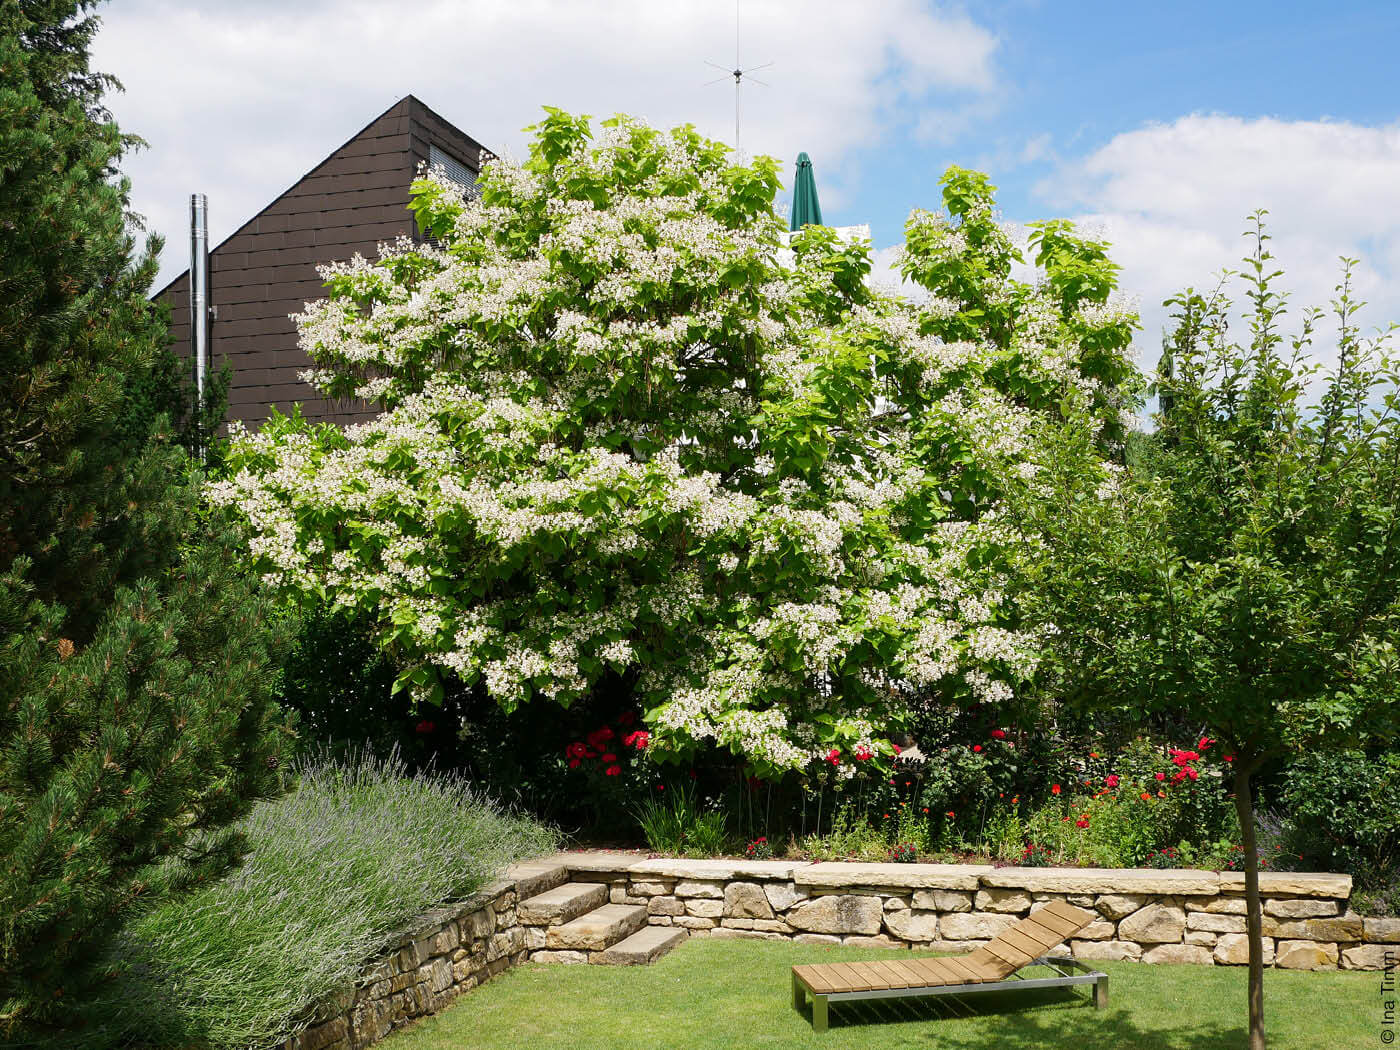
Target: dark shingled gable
[{"x": 352, "y": 201}]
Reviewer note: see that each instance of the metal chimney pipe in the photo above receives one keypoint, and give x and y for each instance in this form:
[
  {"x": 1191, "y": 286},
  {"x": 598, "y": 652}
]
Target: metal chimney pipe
[{"x": 199, "y": 293}]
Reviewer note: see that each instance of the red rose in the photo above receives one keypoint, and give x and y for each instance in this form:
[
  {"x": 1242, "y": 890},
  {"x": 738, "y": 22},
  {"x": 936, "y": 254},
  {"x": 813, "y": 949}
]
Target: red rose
[
  {"x": 1054, "y": 789},
  {"x": 609, "y": 758},
  {"x": 1111, "y": 780},
  {"x": 1161, "y": 776},
  {"x": 834, "y": 757},
  {"x": 1081, "y": 823},
  {"x": 976, "y": 747},
  {"x": 613, "y": 771},
  {"x": 998, "y": 734}
]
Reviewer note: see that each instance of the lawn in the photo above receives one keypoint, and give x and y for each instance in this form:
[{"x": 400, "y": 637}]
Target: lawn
[{"x": 737, "y": 994}]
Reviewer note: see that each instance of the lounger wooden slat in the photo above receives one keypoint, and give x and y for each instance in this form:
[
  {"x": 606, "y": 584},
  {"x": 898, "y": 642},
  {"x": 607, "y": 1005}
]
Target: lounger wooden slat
[
  {"x": 970, "y": 972},
  {"x": 912, "y": 976},
  {"x": 1052, "y": 920},
  {"x": 992, "y": 967},
  {"x": 816, "y": 977},
  {"x": 1029, "y": 945},
  {"x": 934, "y": 971},
  {"x": 1036, "y": 927},
  {"x": 1002, "y": 957},
  {"x": 891, "y": 974},
  {"x": 856, "y": 977},
  {"x": 1064, "y": 910}
]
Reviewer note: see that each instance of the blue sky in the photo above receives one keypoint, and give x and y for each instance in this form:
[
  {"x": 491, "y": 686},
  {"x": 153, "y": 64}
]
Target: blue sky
[
  {"x": 1159, "y": 127},
  {"x": 1073, "y": 75}
]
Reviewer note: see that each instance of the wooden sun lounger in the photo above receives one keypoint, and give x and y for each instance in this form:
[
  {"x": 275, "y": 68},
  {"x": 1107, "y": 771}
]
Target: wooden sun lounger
[{"x": 990, "y": 968}]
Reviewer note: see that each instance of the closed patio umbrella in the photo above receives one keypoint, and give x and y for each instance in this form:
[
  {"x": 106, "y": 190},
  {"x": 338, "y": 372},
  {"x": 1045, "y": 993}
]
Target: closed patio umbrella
[{"x": 806, "y": 209}]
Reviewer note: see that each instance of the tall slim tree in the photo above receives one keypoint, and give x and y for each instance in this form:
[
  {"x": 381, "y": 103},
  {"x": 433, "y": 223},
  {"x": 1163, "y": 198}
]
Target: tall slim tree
[
  {"x": 135, "y": 662},
  {"x": 1243, "y": 572}
]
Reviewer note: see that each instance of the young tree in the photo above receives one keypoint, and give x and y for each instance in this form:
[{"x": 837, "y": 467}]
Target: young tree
[
  {"x": 628, "y": 433},
  {"x": 135, "y": 719},
  {"x": 1243, "y": 571}
]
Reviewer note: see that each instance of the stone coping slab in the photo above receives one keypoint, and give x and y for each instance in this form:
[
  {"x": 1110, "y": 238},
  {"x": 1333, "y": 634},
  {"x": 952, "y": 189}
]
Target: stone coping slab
[
  {"x": 718, "y": 870},
  {"x": 1291, "y": 884},
  {"x": 903, "y": 876},
  {"x": 1183, "y": 882},
  {"x": 1151, "y": 881},
  {"x": 595, "y": 861}
]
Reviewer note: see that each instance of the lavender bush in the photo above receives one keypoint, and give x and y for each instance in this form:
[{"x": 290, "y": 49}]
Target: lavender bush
[{"x": 353, "y": 852}]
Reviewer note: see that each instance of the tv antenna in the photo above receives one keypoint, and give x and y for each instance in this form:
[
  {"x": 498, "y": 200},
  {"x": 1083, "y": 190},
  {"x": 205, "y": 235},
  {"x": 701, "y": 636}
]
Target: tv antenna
[{"x": 738, "y": 73}]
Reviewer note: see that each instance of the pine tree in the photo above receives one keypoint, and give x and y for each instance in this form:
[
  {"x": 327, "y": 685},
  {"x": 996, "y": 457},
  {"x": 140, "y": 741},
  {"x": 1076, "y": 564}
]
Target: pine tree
[{"x": 136, "y": 657}]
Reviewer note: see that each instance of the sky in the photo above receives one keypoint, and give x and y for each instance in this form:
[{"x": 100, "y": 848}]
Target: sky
[{"x": 1159, "y": 127}]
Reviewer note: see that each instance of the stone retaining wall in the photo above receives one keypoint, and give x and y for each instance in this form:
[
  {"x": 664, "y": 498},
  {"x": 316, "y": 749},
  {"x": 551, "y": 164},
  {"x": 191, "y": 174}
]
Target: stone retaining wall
[
  {"x": 1150, "y": 916},
  {"x": 444, "y": 953}
]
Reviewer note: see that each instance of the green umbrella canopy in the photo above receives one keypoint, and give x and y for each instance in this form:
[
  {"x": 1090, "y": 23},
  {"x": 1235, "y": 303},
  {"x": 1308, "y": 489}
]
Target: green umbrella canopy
[{"x": 806, "y": 209}]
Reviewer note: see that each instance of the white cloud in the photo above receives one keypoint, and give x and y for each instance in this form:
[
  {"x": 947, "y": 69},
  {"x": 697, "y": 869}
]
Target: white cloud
[
  {"x": 1174, "y": 200},
  {"x": 240, "y": 100}
]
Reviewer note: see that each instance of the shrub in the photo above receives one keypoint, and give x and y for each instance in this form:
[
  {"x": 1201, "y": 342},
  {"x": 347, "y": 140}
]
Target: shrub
[
  {"x": 354, "y": 852},
  {"x": 1343, "y": 808},
  {"x": 904, "y": 853}
]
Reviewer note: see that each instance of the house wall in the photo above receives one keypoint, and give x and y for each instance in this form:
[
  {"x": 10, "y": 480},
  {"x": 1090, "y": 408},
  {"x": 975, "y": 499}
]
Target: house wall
[{"x": 265, "y": 271}]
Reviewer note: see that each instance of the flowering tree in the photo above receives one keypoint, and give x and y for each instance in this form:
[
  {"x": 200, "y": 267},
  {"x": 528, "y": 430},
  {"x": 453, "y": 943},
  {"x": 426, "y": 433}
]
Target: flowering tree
[
  {"x": 628, "y": 432},
  {"x": 1244, "y": 572}
]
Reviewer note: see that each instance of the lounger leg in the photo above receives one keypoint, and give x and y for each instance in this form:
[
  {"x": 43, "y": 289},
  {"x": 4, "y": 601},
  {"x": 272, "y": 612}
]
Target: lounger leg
[
  {"x": 799, "y": 997},
  {"x": 819, "y": 1013},
  {"x": 1101, "y": 993}
]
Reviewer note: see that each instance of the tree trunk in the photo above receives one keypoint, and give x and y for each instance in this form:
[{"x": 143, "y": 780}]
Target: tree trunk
[{"x": 1244, "y": 806}]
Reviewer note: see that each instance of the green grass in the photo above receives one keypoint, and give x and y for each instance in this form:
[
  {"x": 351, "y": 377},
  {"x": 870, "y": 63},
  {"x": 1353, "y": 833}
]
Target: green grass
[
  {"x": 353, "y": 852},
  {"x": 708, "y": 994}
]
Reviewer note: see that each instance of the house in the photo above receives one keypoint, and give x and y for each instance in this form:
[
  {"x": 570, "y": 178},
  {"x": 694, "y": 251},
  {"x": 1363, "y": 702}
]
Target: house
[{"x": 352, "y": 201}]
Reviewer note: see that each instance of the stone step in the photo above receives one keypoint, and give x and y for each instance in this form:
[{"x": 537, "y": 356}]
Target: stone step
[
  {"x": 601, "y": 928},
  {"x": 562, "y": 903},
  {"x": 535, "y": 876},
  {"x": 645, "y": 946}
]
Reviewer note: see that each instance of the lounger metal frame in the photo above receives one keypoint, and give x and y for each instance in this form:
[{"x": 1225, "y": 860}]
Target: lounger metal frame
[{"x": 1059, "y": 963}]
